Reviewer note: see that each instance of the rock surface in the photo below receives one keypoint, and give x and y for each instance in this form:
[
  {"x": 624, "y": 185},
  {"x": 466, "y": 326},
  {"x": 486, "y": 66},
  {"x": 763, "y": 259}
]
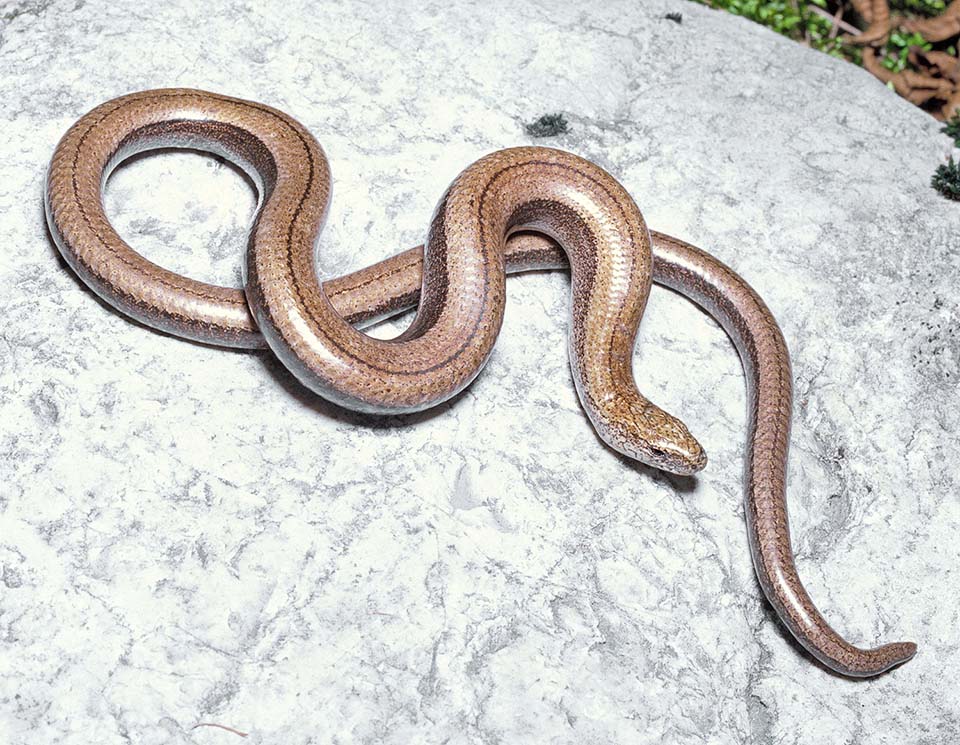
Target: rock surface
[{"x": 187, "y": 536}]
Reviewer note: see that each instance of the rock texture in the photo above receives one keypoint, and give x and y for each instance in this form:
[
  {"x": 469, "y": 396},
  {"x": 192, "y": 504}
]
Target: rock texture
[{"x": 187, "y": 536}]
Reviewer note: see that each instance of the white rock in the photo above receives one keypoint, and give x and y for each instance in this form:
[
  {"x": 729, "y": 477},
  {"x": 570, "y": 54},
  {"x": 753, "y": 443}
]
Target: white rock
[{"x": 188, "y": 536}]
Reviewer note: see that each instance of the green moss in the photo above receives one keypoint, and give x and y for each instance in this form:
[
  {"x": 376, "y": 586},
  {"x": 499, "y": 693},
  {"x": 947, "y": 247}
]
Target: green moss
[
  {"x": 782, "y": 16},
  {"x": 792, "y": 19},
  {"x": 947, "y": 180},
  {"x": 952, "y": 129},
  {"x": 798, "y": 21},
  {"x": 548, "y": 125},
  {"x": 786, "y": 16}
]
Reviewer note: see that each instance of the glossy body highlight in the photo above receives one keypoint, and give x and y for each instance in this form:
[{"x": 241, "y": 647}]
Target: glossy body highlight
[{"x": 480, "y": 230}]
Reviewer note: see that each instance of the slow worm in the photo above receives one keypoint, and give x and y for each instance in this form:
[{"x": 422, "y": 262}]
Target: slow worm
[{"x": 479, "y": 231}]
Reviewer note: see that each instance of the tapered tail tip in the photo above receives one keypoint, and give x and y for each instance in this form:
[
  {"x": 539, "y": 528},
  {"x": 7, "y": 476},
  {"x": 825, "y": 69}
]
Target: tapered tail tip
[
  {"x": 904, "y": 651},
  {"x": 868, "y": 663},
  {"x": 891, "y": 656}
]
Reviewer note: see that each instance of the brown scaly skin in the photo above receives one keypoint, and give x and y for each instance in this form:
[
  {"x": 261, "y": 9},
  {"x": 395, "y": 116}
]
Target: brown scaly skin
[
  {"x": 463, "y": 297},
  {"x": 763, "y": 351},
  {"x": 460, "y": 296}
]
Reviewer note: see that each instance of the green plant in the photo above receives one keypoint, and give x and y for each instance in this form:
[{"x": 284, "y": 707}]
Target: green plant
[
  {"x": 898, "y": 48},
  {"x": 782, "y": 16},
  {"x": 809, "y": 22},
  {"x": 795, "y": 20},
  {"x": 919, "y": 7},
  {"x": 952, "y": 129},
  {"x": 947, "y": 180},
  {"x": 894, "y": 46}
]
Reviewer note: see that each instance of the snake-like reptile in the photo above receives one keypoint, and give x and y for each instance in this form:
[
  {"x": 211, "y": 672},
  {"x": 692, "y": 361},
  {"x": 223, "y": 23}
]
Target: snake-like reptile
[{"x": 579, "y": 216}]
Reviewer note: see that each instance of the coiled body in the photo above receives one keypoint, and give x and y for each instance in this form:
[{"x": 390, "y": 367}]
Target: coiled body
[{"x": 582, "y": 217}]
